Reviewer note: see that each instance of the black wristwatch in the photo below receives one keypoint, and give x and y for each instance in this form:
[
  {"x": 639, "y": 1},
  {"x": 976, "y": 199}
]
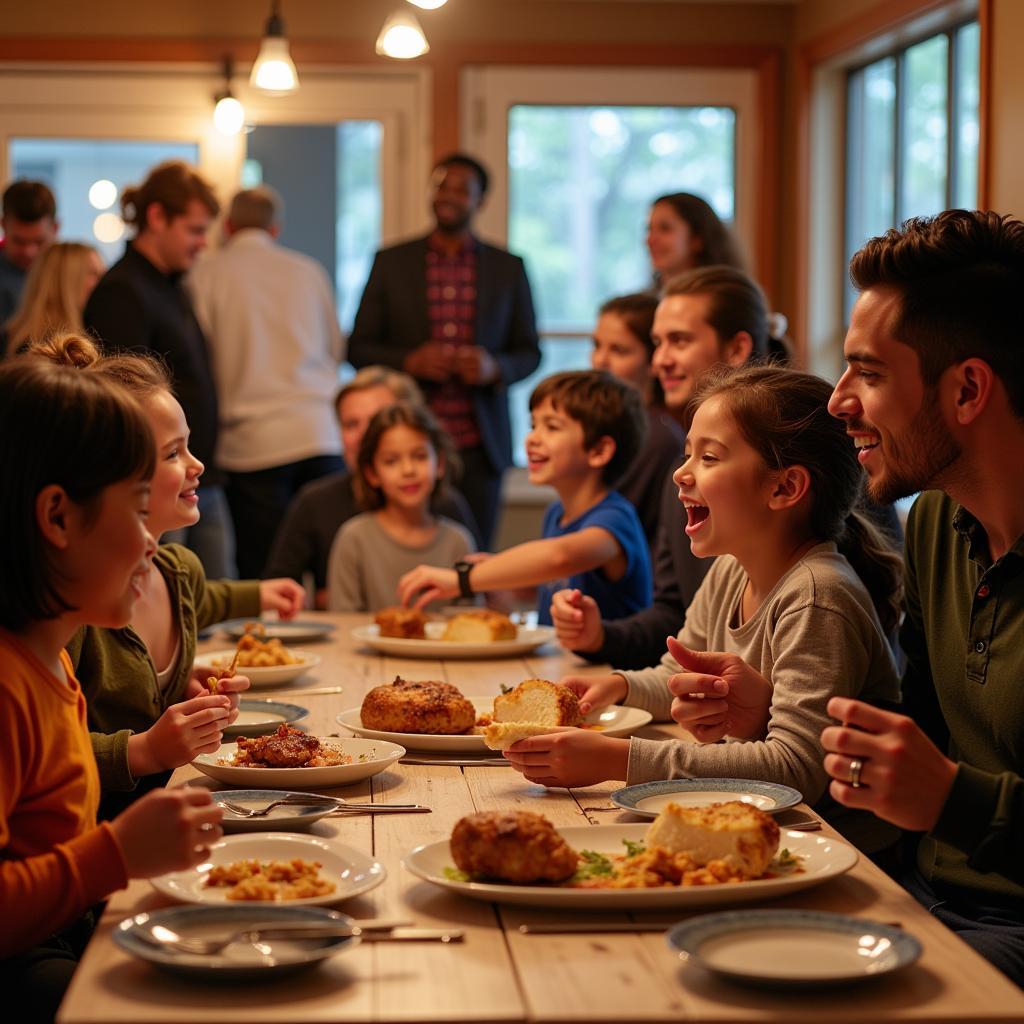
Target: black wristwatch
[{"x": 463, "y": 568}]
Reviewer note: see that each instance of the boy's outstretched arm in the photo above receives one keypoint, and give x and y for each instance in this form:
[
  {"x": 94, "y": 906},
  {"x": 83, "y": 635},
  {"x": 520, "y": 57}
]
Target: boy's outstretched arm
[{"x": 536, "y": 561}]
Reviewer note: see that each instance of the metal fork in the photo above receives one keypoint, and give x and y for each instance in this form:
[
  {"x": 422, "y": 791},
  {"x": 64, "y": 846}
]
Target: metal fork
[
  {"x": 368, "y": 931},
  {"x": 311, "y": 801}
]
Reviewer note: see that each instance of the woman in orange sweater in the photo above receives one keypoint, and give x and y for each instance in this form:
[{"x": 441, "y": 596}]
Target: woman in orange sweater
[{"x": 76, "y": 456}]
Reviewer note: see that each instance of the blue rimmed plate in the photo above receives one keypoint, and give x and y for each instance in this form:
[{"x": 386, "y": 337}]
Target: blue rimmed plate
[
  {"x": 649, "y": 799},
  {"x": 294, "y": 631},
  {"x": 259, "y": 717},
  {"x": 136, "y": 935},
  {"x": 792, "y": 948},
  {"x": 285, "y": 818}
]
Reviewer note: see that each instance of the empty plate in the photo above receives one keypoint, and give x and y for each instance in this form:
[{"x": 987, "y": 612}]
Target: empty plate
[
  {"x": 792, "y": 948},
  {"x": 259, "y": 717},
  {"x": 650, "y": 798},
  {"x": 297, "y": 631},
  {"x": 137, "y": 935},
  {"x": 283, "y": 818}
]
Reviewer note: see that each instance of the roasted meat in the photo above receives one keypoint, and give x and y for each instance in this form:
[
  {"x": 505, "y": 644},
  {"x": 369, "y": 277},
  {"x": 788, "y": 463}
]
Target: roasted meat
[
  {"x": 286, "y": 748},
  {"x": 515, "y": 846},
  {"x": 419, "y": 706}
]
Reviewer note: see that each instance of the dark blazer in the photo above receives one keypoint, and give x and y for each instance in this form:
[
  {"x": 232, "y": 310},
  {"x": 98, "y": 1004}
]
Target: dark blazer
[
  {"x": 136, "y": 308},
  {"x": 392, "y": 321}
]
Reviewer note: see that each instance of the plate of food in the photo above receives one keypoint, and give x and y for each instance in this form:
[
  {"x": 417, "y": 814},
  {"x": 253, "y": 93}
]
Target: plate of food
[
  {"x": 266, "y": 665},
  {"x": 294, "y": 631},
  {"x": 792, "y": 948},
  {"x": 258, "y": 717},
  {"x": 433, "y": 715},
  {"x": 649, "y": 798},
  {"x": 480, "y": 633},
  {"x": 145, "y": 936},
  {"x": 283, "y": 818},
  {"x": 290, "y": 759},
  {"x": 275, "y": 868},
  {"x": 686, "y": 857}
]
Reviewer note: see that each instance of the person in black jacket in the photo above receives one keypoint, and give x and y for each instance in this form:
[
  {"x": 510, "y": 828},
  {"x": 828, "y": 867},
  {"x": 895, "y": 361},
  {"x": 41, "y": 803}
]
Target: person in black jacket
[
  {"x": 140, "y": 305},
  {"x": 457, "y": 315}
]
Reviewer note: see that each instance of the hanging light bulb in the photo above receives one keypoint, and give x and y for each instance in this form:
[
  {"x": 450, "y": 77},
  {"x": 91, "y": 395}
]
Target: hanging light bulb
[
  {"x": 401, "y": 37},
  {"x": 228, "y": 114},
  {"x": 273, "y": 70},
  {"x": 429, "y": 5}
]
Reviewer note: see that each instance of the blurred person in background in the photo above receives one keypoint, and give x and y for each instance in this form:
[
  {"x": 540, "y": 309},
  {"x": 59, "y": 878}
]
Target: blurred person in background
[
  {"x": 623, "y": 346},
  {"x": 140, "y": 305},
  {"x": 56, "y": 290},
  {"x": 29, "y": 222},
  {"x": 457, "y": 315},
  {"x": 268, "y": 314},
  {"x": 684, "y": 233}
]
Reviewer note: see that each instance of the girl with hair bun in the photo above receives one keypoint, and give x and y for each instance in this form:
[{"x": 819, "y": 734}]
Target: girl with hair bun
[
  {"x": 75, "y": 550},
  {"x": 149, "y": 710}
]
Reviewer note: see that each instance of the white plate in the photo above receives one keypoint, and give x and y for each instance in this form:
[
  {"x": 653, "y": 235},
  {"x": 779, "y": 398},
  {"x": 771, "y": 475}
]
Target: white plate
[
  {"x": 614, "y": 721},
  {"x": 368, "y": 758},
  {"x": 240, "y": 961},
  {"x": 792, "y": 948},
  {"x": 283, "y": 818},
  {"x": 268, "y": 676},
  {"x": 297, "y": 631},
  {"x": 527, "y": 639},
  {"x": 351, "y": 872},
  {"x": 822, "y": 859},
  {"x": 648, "y": 799},
  {"x": 259, "y": 717}
]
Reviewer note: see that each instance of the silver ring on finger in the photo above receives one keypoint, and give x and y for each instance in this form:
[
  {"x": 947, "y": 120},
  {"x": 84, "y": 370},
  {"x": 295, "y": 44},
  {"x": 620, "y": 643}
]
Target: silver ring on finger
[{"x": 854, "y": 774}]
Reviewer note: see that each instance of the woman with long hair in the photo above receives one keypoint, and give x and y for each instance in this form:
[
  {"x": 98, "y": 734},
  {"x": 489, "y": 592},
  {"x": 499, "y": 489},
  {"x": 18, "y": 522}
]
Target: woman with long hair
[{"x": 57, "y": 288}]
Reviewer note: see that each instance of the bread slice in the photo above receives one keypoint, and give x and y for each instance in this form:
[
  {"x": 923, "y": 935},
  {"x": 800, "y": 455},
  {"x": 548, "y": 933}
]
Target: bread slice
[
  {"x": 539, "y": 701},
  {"x": 481, "y": 626},
  {"x": 741, "y": 835},
  {"x": 501, "y": 735}
]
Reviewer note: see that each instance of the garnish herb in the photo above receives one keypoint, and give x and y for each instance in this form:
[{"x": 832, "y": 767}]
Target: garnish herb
[
  {"x": 633, "y": 847},
  {"x": 455, "y": 875}
]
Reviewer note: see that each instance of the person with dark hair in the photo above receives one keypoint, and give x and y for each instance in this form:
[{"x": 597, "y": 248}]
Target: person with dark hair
[
  {"x": 140, "y": 304},
  {"x": 404, "y": 464},
  {"x": 711, "y": 316},
  {"x": 684, "y": 233},
  {"x": 275, "y": 345},
  {"x": 75, "y": 545},
  {"x": 623, "y": 346},
  {"x": 586, "y": 427},
  {"x": 457, "y": 315},
  {"x": 800, "y": 595},
  {"x": 321, "y": 508},
  {"x": 29, "y": 222},
  {"x": 933, "y": 402}
]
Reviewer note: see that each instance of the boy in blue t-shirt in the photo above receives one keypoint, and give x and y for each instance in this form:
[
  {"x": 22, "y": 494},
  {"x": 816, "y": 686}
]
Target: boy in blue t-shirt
[{"x": 586, "y": 429}]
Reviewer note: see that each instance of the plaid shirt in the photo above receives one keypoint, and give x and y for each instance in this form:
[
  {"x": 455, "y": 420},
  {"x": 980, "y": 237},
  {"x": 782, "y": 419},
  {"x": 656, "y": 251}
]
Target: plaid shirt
[{"x": 451, "y": 311}]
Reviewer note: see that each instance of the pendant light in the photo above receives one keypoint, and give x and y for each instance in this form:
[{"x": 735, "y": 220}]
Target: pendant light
[
  {"x": 429, "y": 5},
  {"x": 273, "y": 70},
  {"x": 401, "y": 37},
  {"x": 228, "y": 114}
]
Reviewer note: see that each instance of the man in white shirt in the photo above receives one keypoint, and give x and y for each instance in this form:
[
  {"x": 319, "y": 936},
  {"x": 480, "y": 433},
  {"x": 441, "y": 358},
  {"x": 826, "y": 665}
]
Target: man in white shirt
[{"x": 268, "y": 314}]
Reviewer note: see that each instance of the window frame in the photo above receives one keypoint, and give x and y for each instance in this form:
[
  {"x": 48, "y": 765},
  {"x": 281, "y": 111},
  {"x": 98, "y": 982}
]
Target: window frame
[{"x": 898, "y": 54}]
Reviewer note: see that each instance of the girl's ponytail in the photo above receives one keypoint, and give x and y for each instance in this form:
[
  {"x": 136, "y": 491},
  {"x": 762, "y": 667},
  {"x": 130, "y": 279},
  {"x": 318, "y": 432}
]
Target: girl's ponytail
[{"x": 877, "y": 563}]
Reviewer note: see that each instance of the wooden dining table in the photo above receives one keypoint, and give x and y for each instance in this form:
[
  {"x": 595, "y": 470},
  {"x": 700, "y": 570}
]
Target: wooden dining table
[{"x": 499, "y": 973}]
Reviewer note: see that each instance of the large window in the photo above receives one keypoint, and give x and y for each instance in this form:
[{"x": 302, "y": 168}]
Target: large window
[
  {"x": 912, "y": 136},
  {"x": 580, "y": 184},
  {"x": 87, "y": 177}
]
